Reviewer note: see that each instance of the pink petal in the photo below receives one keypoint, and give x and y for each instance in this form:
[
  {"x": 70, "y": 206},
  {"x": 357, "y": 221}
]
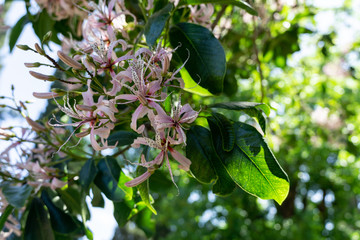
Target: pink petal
[
  {"x": 139, "y": 180},
  {"x": 184, "y": 162}
]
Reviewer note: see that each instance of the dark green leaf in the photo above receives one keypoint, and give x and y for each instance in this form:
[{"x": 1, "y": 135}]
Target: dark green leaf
[
  {"x": 43, "y": 24},
  {"x": 250, "y": 108},
  {"x": 242, "y": 4},
  {"x": 16, "y": 31},
  {"x": 205, "y": 163},
  {"x": 98, "y": 200},
  {"x": 227, "y": 132},
  {"x": 144, "y": 190},
  {"x": 204, "y": 54},
  {"x": 251, "y": 164},
  {"x": 111, "y": 180},
  {"x": 87, "y": 174},
  {"x": 122, "y": 212},
  {"x": 17, "y": 195},
  {"x": 122, "y": 138},
  {"x": 37, "y": 223},
  {"x": 5, "y": 214},
  {"x": 61, "y": 222},
  {"x": 156, "y": 24}
]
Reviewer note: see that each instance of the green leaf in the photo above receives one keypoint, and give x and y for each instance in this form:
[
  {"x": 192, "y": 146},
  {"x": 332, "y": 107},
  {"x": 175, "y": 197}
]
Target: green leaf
[
  {"x": 144, "y": 190},
  {"x": 16, "y": 31},
  {"x": 252, "y": 109},
  {"x": 87, "y": 174},
  {"x": 251, "y": 164},
  {"x": 5, "y": 214},
  {"x": 17, "y": 195},
  {"x": 37, "y": 223},
  {"x": 242, "y": 4},
  {"x": 156, "y": 24},
  {"x": 111, "y": 180},
  {"x": 61, "y": 222},
  {"x": 191, "y": 86},
  {"x": 145, "y": 222},
  {"x": 205, "y": 163},
  {"x": 203, "y": 54},
  {"x": 122, "y": 212},
  {"x": 122, "y": 138}
]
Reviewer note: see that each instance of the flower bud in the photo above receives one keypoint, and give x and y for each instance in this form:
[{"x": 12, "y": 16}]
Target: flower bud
[
  {"x": 39, "y": 49},
  {"x": 34, "y": 125},
  {"x": 41, "y": 76},
  {"x": 47, "y": 37},
  {"x": 32, "y": 65},
  {"x": 46, "y": 95},
  {"x": 23, "y": 47},
  {"x": 69, "y": 61}
]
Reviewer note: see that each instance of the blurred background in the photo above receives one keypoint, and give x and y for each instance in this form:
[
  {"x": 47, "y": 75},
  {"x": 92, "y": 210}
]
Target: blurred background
[{"x": 302, "y": 58}]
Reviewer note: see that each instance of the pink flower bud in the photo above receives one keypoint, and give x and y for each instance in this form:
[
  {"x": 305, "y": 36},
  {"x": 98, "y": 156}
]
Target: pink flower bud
[
  {"x": 47, "y": 95},
  {"x": 41, "y": 76},
  {"x": 32, "y": 65},
  {"x": 69, "y": 61},
  {"x": 34, "y": 125}
]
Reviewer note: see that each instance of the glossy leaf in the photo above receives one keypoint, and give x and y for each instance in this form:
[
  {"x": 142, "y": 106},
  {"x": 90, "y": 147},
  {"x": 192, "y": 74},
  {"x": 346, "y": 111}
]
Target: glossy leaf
[
  {"x": 87, "y": 174},
  {"x": 61, "y": 222},
  {"x": 156, "y": 24},
  {"x": 17, "y": 195},
  {"x": 37, "y": 223},
  {"x": 43, "y": 24},
  {"x": 144, "y": 190},
  {"x": 16, "y": 31},
  {"x": 203, "y": 54},
  {"x": 242, "y": 4},
  {"x": 252, "y": 109},
  {"x": 205, "y": 163},
  {"x": 122, "y": 138},
  {"x": 110, "y": 180},
  {"x": 251, "y": 164}
]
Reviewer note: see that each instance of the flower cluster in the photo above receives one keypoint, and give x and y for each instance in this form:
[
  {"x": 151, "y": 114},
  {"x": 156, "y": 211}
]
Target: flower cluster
[{"x": 120, "y": 80}]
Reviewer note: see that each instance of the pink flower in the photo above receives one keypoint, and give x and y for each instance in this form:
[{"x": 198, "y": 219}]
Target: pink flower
[
  {"x": 162, "y": 144},
  {"x": 179, "y": 116},
  {"x": 143, "y": 92}
]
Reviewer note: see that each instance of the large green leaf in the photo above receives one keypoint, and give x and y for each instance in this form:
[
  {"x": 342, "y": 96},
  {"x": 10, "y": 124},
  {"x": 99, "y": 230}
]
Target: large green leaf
[
  {"x": 251, "y": 164},
  {"x": 16, "y": 31},
  {"x": 43, "y": 24},
  {"x": 61, "y": 222},
  {"x": 145, "y": 222},
  {"x": 144, "y": 190},
  {"x": 156, "y": 24},
  {"x": 87, "y": 174},
  {"x": 111, "y": 180},
  {"x": 122, "y": 138},
  {"x": 37, "y": 223},
  {"x": 205, "y": 163},
  {"x": 242, "y": 4},
  {"x": 17, "y": 195},
  {"x": 252, "y": 109},
  {"x": 203, "y": 53}
]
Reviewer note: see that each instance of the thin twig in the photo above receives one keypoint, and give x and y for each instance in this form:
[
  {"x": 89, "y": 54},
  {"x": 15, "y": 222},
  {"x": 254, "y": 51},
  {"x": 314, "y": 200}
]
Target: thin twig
[{"x": 218, "y": 17}]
